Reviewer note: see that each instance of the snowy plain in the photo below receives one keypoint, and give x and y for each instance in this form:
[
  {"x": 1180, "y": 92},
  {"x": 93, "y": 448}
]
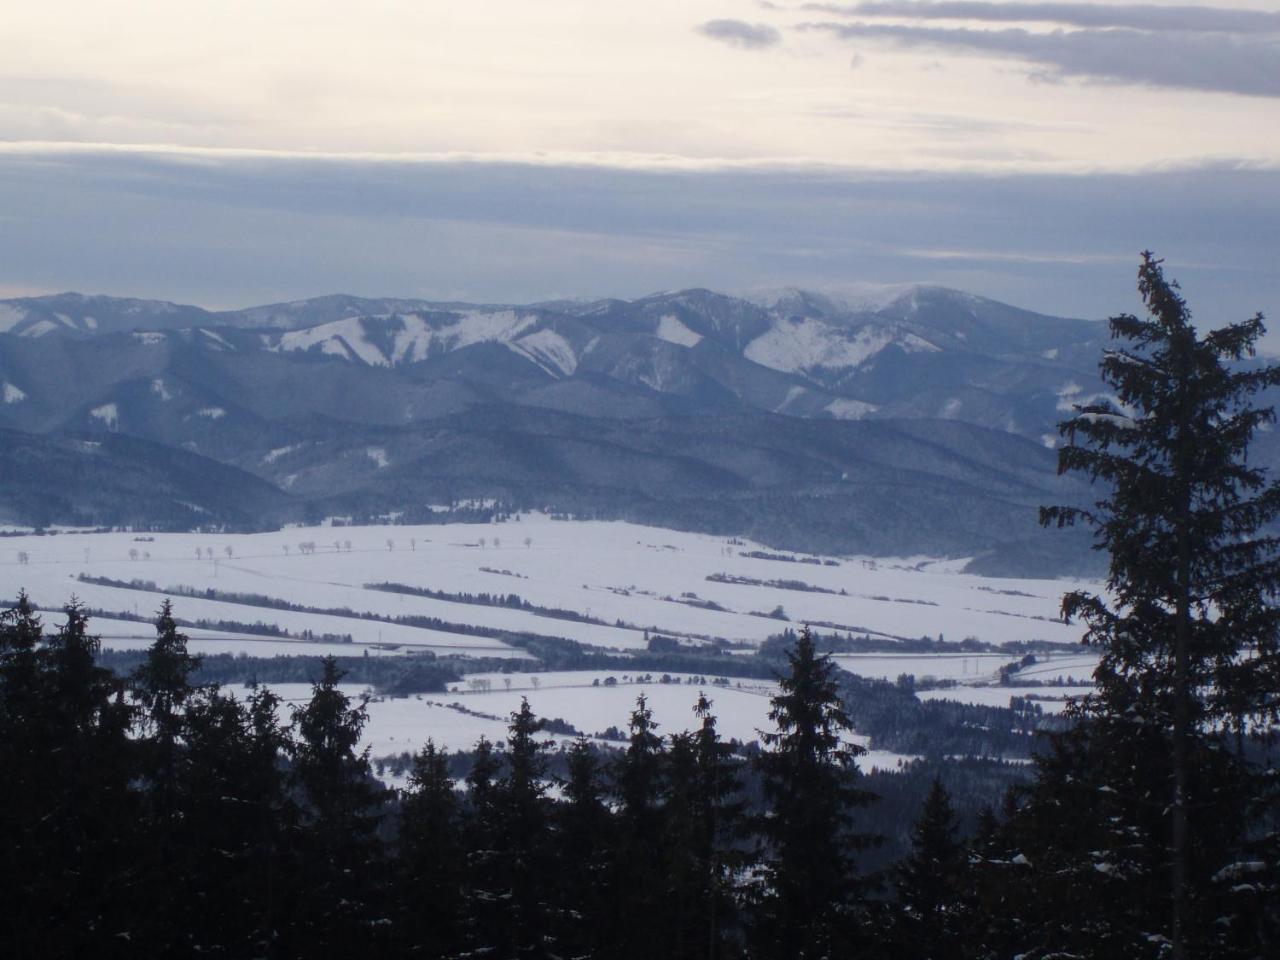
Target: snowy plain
[
  {"x": 399, "y": 724},
  {"x": 633, "y": 578}
]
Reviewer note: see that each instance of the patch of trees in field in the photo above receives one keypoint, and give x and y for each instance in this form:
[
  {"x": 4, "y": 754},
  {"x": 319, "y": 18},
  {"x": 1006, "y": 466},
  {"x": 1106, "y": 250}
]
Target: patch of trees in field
[{"x": 511, "y": 601}]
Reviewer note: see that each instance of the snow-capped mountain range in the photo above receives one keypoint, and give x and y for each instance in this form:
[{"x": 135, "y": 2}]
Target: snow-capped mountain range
[
  {"x": 927, "y": 351},
  {"x": 364, "y": 404}
]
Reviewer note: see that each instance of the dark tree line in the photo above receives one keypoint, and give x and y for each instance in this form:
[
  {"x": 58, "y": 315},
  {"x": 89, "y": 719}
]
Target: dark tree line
[{"x": 151, "y": 816}]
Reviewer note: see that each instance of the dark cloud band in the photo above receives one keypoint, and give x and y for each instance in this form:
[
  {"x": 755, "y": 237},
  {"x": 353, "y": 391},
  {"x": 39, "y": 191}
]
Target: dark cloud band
[
  {"x": 228, "y": 232},
  {"x": 1147, "y": 17},
  {"x": 1210, "y": 62}
]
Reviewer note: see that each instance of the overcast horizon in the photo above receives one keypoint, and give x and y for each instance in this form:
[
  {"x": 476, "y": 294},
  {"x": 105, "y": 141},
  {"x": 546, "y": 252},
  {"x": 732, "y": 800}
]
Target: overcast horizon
[{"x": 229, "y": 154}]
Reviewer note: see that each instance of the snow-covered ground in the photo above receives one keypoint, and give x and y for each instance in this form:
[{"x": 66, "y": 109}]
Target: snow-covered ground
[
  {"x": 924, "y": 666},
  {"x": 403, "y": 724},
  {"x": 1050, "y": 699},
  {"x": 976, "y": 676},
  {"x": 1070, "y": 668},
  {"x": 620, "y": 573},
  {"x": 973, "y": 669}
]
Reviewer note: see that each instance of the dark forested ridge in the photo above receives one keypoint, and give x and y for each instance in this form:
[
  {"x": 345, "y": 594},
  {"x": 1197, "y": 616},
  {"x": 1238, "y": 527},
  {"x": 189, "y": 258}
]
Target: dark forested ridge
[
  {"x": 117, "y": 480},
  {"x": 883, "y": 487}
]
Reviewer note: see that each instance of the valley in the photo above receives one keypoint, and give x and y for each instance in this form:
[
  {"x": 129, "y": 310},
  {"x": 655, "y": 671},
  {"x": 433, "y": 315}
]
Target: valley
[
  {"x": 497, "y": 491},
  {"x": 497, "y": 589}
]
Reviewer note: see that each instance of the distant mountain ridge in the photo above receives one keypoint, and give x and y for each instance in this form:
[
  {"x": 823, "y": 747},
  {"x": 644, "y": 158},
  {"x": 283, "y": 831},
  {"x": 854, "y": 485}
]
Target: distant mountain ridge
[
  {"x": 359, "y": 405},
  {"x": 74, "y": 314},
  {"x": 928, "y": 351}
]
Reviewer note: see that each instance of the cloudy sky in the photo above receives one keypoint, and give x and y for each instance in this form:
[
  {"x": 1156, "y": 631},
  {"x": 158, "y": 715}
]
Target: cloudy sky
[{"x": 228, "y": 153}]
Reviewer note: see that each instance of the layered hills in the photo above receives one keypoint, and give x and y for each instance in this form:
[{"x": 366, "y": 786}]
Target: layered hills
[{"x": 918, "y": 421}]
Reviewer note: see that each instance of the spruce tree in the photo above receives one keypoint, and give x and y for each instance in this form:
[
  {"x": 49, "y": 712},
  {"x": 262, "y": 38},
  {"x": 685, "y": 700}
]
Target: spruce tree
[
  {"x": 483, "y": 901},
  {"x": 339, "y": 869},
  {"x": 21, "y": 633},
  {"x": 584, "y": 837},
  {"x": 1188, "y": 633},
  {"x": 24, "y": 746},
  {"x": 162, "y": 687},
  {"x": 233, "y": 839},
  {"x": 430, "y": 877},
  {"x": 703, "y": 834},
  {"x": 721, "y": 834},
  {"x": 272, "y": 809},
  {"x": 85, "y": 867},
  {"x": 811, "y": 901},
  {"x": 683, "y": 878},
  {"x": 21, "y": 703},
  {"x": 523, "y": 846},
  {"x": 636, "y": 877},
  {"x": 929, "y": 880}
]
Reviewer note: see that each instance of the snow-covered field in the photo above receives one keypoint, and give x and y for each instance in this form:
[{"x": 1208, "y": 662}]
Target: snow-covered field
[
  {"x": 403, "y": 724},
  {"x": 938, "y": 666},
  {"x": 629, "y": 576},
  {"x": 1050, "y": 699},
  {"x": 973, "y": 669}
]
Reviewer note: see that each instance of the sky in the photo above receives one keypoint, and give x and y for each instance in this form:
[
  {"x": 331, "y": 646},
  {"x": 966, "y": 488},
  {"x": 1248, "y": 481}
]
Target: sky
[{"x": 231, "y": 153}]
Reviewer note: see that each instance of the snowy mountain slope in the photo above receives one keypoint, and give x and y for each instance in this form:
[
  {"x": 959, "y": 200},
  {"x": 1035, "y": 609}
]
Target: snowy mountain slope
[
  {"x": 299, "y": 314},
  {"x": 914, "y": 352},
  {"x": 79, "y": 315}
]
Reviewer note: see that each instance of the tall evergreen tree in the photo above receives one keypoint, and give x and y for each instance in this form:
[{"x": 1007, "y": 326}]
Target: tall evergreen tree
[
  {"x": 702, "y": 837},
  {"x": 271, "y": 808},
  {"x": 339, "y": 864},
  {"x": 929, "y": 881},
  {"x": 636, "y": 876},
  {"x": 233, "y": 839},
  {"x": 431, "y": 868},
  {"x": 24, "y": 742},
  {"x": 1188, "y": 635},
  {"x": 812, "y": 898},
  {"x": 162, "y": 688},
  {"x": 483, "y": 901},
  {"x": 720, "y": 834},
  {"x": 584, "y": 836},
  {"x": 87, "y": 883},
  {"x": 523, "y": 843},
  {"x": 162, "y": 685},
  {"x": 682, "y": 875},
  {"x": 21, "y": 633},
  {"x": 21, "y": 705}
]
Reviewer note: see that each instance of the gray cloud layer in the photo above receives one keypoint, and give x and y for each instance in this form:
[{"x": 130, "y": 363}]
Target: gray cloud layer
[
  {"x": 1212, "y": 62},
  {"x": 1133, "y": 16},
  {"x": 739, "y": 33},
  {"x": 232, "y": 232}
]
